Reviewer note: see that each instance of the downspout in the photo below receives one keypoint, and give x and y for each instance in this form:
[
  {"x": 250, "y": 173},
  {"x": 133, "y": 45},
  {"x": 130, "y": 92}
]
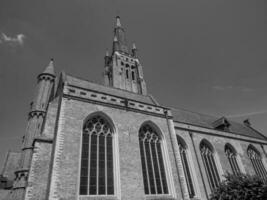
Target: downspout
[
  {"x": 177, "y": 157},
  {"x": 201, "y": 174}
]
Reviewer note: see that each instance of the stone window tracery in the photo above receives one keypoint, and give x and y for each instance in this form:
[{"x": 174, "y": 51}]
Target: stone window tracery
[
  {"x": 185, "y": 163},
  {"x": 256, "y": 161},
  {"x": 97, "y": 176},
  {"x": 210, "y": 166},
  {"x": 153, "y": 168},
  {"x": 231, "y": 155}
]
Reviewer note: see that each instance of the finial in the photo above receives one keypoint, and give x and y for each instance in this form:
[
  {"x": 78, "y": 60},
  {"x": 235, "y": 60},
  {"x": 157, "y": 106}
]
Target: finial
[
  {"x": 134, "y": 50},
  {"x": 107, "y": 53},
  {"x": 50, "y": 68},
  {"x": 115, "y": 39},
  {"x": 118, "y": 21}
]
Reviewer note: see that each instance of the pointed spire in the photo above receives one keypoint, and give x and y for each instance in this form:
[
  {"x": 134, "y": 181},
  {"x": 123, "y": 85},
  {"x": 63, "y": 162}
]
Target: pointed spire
[
  {"x": 50, "y": 68},
  {"x": 118, "y": 21},
  {"x": 134, "y": 50},
  {"x": 106, "y": 58},
  {"x": 134, "y": 47},
  {"x": 115, "y": 44},
  {"x": 107, "y": 53},
  {"x": 115, "y": 39}
]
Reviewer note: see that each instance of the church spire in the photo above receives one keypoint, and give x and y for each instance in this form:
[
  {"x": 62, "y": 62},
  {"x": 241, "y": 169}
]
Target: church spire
[
  {"x": 119, "y": 34},
  {"x": 50, "y": 68},
  {"x": 122, "y": 68}
]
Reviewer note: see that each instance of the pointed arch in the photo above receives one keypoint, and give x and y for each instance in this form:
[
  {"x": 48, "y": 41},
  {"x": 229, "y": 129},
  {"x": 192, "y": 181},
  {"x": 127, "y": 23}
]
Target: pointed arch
[
  {"x": 207, "y": 154},
  {"x": 97, "y": 159},
  {"x": 152, "y": 160},
  {"x": 231, "y": 154},
  {"x": 256, "y": 160},
  {"x": 183, "y": 150}
]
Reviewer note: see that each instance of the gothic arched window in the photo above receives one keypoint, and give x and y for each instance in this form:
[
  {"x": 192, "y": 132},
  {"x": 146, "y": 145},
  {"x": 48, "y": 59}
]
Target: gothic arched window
[
  {"x": 256, "y": 161},
  {"x": 185, "y": 163},
  {"x": 209, "y": 164},
  {"x": 231, "y": 155},
  {"x": 154, "y": 176},
  {"x": 97, "y": 158}
]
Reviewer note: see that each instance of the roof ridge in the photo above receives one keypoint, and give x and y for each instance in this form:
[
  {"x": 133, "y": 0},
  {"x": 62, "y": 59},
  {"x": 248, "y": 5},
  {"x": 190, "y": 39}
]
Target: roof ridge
[
  {"x": 94, "y": 82},
  {"x": 183, "y": 109}
]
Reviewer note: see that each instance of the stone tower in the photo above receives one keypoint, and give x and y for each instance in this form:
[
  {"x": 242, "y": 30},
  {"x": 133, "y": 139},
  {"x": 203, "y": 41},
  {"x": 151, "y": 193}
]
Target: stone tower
[
  {"x": 36, "y": 117},
  {"x": 123, "y": 69}
]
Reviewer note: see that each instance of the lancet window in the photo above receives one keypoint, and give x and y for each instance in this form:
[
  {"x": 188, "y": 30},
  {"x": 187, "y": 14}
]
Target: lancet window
[
  {"x": 185, "y": 163},
  {"x": 97, "y": 174},
  {"x": 209, "y": 164},
  {"x": 152, "y": 160},
  {"x": 231, "y": 155},
  {"x": 256, "y": 161}
]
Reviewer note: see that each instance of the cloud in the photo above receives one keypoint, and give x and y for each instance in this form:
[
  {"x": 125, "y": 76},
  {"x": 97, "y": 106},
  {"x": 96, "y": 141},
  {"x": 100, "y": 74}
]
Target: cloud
[
  {"x": 17, "y": 40},
  {"x": 230, "y": 87},
  {"x": 249, "y": 114}
]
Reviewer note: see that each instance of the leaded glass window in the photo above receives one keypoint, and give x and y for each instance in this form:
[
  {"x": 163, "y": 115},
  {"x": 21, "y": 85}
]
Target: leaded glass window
[
  {"x": 185, "y": 163},
  {"x": 97, "y": 158},
  {"x": 256, "y": 161},
  {"x": 153, "y": 168},
  {"x": 231, "y": 155},
  {"x": 210, "y": 166}
]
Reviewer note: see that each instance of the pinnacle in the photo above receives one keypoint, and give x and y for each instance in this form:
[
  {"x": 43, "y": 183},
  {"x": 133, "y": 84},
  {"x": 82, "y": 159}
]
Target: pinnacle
[
  {"x": 118, "y": 21},
  {"x": 50, "y": 68},
  {"x": 134, "y": 47},
  {"x": 115, "y": 39}
]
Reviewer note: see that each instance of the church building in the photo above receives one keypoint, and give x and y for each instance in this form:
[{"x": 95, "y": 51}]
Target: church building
[{"x": 113, "y": 141}]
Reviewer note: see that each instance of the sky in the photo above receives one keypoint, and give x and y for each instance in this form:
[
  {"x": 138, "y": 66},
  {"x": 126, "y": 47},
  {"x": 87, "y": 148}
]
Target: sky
[{"x": 207, "y": 56}]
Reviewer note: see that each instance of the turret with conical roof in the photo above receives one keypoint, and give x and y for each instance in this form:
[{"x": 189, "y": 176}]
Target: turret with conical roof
[
  {"x": 123, "y": 69},
  {"x": 36, "y": 118}
]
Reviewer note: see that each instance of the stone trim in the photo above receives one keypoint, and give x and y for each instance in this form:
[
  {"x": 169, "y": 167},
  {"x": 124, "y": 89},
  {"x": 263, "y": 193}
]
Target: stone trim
[{"x": 123, "y": 106}]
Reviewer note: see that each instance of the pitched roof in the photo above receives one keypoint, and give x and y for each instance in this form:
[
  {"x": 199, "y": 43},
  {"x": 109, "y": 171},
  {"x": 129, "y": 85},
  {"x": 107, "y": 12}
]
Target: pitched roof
[
  {"x": 180, "y": 115},
  {"x": 208, "y": 121},
  {"x": 108, "y": 90}
]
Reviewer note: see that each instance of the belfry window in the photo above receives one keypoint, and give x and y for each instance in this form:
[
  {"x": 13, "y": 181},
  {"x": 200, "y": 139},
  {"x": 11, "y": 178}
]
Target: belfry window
[
  {"x": 185, "y": 163},
  {"x": 133, "y": 76},
  {"x": 127, "y": 73},
  {"x": 97, "y": 176},
  {"x": 153, "y": 168},
  {"x": 231, "y": 155},
  {"x": 210, "y": 166},
  {"x": 256, "y": 161}
]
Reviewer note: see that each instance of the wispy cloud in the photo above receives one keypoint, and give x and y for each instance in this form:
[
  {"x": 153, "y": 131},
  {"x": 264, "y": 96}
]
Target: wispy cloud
[
  {"x": 16, "y": 40},
  {"x": 249, "y": 114},
  {"x": 230, "y": 87}
]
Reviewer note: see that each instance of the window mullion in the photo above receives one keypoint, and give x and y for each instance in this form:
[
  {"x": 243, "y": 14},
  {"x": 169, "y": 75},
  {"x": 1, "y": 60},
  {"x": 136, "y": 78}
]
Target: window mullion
[
  {"x": 217, "y": 179},
  {"x": 209, "y": 166},
  {"x": 206, "y": 167},
  {"x": 161, "y": 184},
  {"x": 147, "y": 174},
  {"x": 153, "y": 170},
  {"x": 89, "y": 161},
  {"x": 106, "y": 165},
  {"x": 185, "y": 170},
  {"x": 97, "y": 164}
]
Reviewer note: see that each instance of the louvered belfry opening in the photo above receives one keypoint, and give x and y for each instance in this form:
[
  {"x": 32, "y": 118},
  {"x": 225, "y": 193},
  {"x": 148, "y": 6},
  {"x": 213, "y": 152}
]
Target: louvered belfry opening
[
  {"x": 185, "y": 163},
  {"x": 256, "y": 161},
  {"x": 232, "y": 158},
  {"x": 210, "y": 166},
  {"x": 97, "y": 174},
  {"x": 153, "y": 168}
]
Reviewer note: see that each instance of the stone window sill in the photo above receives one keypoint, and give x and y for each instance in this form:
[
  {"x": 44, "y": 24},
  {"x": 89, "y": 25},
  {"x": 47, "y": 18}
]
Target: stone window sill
[
  {"x": 159, "y": 197},
  {"x": 98, "y": 198}
]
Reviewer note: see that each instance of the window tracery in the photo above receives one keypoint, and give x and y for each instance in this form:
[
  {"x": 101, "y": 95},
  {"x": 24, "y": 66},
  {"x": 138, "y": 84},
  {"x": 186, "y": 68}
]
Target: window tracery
[
  {"x": 97, "y": 176},
  {"x": 153, "y": 168}
]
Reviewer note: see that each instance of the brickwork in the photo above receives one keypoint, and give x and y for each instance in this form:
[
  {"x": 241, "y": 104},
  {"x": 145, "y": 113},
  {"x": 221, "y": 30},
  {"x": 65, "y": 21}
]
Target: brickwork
[
  {"x": 39, "y": 172},
  {"x": 127, "y": 124},
  {"x": 222, "y": 163}
]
